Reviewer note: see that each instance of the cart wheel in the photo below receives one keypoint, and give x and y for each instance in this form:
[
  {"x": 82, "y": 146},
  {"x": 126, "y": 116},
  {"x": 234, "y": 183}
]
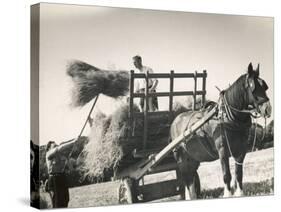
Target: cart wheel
[
  {"x": 197, "y": 184},
  {"x": 125, "y": 191}
]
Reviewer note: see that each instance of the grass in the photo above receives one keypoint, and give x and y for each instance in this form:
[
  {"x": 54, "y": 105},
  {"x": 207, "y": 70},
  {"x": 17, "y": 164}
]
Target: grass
[
  {"x": 94, "y": 195},
  {"x": 106, "y": 193},
  {"x": 258, "y": 167},
  {"x": 258, "y": 180},
  {"x": 250, "y": 189}
]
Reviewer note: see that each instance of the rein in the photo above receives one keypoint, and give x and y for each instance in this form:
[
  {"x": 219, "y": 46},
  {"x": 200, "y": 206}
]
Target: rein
[
  {"x": 229, "y": 114},
  {"x": 229, "y": 108}
]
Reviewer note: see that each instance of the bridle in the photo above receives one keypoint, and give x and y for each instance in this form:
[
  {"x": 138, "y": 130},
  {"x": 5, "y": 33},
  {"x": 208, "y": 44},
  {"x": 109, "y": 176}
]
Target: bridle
[{"x": 255, "y": 113}]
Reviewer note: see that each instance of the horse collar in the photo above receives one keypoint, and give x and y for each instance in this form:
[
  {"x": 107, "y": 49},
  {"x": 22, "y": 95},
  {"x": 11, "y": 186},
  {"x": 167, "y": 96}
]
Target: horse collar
[{"x": 226, "y": 111}]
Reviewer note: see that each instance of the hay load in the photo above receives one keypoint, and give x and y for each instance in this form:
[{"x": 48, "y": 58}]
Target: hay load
[
  {"x": 109, "y": 142},
  {"x": 89, "y": 81},
  {"x": 110, "y": 145}
]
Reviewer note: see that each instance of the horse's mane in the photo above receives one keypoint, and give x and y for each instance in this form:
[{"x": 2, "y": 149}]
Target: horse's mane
[{"x": 236, "y": 95}]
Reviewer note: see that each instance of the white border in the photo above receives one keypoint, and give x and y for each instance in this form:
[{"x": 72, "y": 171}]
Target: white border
[{"x": 14, "y": 47}]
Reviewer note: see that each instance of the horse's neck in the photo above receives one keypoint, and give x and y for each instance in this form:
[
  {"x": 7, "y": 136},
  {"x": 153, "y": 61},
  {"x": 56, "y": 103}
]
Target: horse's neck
[{"x": 236, "y": 97}]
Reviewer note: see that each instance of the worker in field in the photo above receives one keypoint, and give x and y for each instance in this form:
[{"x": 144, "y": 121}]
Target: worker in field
[
  {"x": 57, "y": 160},
  {"x": 140, "y": 85},
  {"x": 34, "y": 175}
]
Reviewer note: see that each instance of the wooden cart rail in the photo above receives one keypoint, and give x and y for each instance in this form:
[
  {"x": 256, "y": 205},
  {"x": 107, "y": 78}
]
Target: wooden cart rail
[
  {"x": 158, "y": 160},
  {"x": 168, "y": 75},
  {"x": 176, "y": 93},
  {"x": 169, "y": 94}
]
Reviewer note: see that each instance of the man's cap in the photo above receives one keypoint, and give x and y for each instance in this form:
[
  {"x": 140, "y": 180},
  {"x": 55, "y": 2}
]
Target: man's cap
[
  {"x": 49, "y": 145},
  {"x": 137, "y": 57}
]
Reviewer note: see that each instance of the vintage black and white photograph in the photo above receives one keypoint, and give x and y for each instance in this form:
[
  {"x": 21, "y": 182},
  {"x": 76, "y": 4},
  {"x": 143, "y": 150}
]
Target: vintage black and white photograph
[{"x": 141, "y": 106}]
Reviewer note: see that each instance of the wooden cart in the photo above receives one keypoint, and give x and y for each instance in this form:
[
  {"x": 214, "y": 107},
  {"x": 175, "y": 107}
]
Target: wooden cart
[{"x": 154, "y": 155}]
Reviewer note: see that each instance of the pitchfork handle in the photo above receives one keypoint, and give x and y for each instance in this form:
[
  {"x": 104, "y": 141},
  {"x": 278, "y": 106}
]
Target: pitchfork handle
[{"x": 88, "y": 116}]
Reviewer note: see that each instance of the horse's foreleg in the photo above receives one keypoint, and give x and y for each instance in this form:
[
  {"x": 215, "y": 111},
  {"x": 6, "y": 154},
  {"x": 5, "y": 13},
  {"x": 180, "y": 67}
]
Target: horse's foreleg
[
  {"x": 239, "y": 176},
  {"x": 224, "y": 159},
  {"x": 187, "y": 169},
  {"x": 190, "y": 190}
]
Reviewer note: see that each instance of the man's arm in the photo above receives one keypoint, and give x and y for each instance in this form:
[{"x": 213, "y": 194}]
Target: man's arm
[
  {"x": 51, "y": 153},
  {"x": 154, "y": 85},
  {"x": 154, "y": 81},
  {"x": 66, "y": 146},
  {"x": 62, "y": 147},
  {"x": 136, "y": 86}
]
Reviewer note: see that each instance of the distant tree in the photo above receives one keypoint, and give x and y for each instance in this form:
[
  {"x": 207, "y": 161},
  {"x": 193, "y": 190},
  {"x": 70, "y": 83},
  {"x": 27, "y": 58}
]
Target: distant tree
[
  {"x": 269, "y": 136},
  {"x": 259, "y": 136},
  {"x": 264, "y": 137},
  {"x": 270, "y": 130}
]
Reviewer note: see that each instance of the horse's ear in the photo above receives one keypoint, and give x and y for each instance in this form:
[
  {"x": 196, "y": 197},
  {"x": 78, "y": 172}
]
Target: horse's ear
[
  {"x": 258, "y": 70},
  {"x": 250, "y": 69}
]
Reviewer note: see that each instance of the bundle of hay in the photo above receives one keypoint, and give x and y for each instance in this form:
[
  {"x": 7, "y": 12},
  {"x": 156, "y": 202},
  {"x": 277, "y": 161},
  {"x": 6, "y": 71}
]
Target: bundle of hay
[
  {"x": 89, "y": 81},
  {"x": 108, "y": 142}
]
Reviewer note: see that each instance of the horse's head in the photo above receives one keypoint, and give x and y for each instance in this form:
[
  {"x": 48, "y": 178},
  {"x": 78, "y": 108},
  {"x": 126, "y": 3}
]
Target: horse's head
[{"x": 256, "y": 88}]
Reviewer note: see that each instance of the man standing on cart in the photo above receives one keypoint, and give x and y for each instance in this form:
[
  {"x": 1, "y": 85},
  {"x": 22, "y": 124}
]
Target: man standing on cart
[{"x": 141, "y": 85}]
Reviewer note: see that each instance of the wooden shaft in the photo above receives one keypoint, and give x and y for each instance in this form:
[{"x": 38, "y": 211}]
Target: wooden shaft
[
  {"x": 88, "y": 116},
  {"x": 185, "y": 136},
  {"x": 74, "y": 140}
]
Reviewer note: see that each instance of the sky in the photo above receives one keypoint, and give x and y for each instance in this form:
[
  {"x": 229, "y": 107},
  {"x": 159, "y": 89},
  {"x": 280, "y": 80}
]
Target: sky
[{"x": 108, "y": 38}]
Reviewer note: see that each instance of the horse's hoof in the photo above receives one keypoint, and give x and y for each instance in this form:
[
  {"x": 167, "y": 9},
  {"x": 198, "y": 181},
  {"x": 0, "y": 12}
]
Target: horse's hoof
[
  {"x": 227, "y": 194},
  {"x": 239, "y": 193}
]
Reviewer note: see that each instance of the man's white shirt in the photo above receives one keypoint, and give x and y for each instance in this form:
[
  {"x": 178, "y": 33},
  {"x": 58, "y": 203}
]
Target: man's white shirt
[{"x": 141, "y": 83}]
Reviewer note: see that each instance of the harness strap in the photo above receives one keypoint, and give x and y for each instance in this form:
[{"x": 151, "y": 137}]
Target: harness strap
[
  {"x": 264, "y": 129},
  {"x": 229, "y": 108},
  {"x": 227, "y": 143},
  {"x": 226, "y": 137},
  {"x": 207, "y": 146},
  {"x": 203, "y": 145},
  {"x": 255, "y": 136}
]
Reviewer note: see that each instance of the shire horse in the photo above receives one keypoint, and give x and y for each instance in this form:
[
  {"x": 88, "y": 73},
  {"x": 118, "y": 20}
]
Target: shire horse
[{"x": 223, "y": 136}]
